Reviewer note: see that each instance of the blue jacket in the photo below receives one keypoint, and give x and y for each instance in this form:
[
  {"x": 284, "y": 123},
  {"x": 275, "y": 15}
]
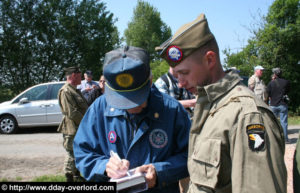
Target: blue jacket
[{"x": 161, "y": 139}]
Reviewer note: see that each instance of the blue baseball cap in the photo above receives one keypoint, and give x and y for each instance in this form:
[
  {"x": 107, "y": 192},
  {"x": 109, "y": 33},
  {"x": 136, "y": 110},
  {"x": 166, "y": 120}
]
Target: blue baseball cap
[{"x": 127, "y": 74}]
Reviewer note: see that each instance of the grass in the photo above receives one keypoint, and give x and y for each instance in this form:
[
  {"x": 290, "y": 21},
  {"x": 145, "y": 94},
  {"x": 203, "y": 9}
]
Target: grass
[
  {"x": 45, "y": 178},
  {"x": 49, "y": 178},
  {"x": 18, "y": 178},
  {"x": 294, "y": 120},
  {"x": 4, "y": 180}
]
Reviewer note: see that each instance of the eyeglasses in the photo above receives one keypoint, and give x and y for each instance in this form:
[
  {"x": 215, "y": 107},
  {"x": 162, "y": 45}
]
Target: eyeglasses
[{"x": 102, "y": 81}]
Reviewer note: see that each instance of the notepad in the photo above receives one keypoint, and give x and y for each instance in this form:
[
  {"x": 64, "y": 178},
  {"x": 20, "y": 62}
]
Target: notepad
[{"x": 136, "y": 182}]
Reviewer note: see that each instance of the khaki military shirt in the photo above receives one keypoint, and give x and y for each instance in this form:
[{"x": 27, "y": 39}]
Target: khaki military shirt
[
  {"x": 258, "y": 87},
  {"x": 73, "y": 106},
  {"x": 236, "y": 144}
]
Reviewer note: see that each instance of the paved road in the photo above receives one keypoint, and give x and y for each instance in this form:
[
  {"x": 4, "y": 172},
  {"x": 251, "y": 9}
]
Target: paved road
[
  {"x": 293, "y": 132},
  {"x": 31, "y": 153}
]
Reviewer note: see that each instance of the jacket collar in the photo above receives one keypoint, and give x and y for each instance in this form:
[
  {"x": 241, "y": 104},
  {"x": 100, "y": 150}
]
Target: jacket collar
[
  {"x": 221, "y": 87},
  {"x": 71, "y": 86}
]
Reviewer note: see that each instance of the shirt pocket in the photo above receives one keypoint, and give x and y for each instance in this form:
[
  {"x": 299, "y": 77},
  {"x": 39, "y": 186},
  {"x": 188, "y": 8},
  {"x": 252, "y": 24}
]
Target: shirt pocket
[{"x": 204, "y": 166}]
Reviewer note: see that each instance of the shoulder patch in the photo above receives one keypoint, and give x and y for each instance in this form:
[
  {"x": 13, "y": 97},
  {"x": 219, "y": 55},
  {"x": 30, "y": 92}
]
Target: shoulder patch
[{"x": 256, "y": 137}]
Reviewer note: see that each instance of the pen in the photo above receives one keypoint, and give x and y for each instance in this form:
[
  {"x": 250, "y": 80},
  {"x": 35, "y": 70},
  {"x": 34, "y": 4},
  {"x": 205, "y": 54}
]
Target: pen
[{"x": 112, "y": 153}]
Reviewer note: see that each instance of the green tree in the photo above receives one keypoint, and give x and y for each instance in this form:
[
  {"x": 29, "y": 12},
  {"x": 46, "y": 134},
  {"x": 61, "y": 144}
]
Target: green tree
[
  {"x": 90, "y": 33},
  {"x": 40, "y": 37},
  {"x": 244, "y": 60},
  {"x": 158, "y": 68},
  {"x": 276, "y": 44},
  {"x": 146, "y": 30}
]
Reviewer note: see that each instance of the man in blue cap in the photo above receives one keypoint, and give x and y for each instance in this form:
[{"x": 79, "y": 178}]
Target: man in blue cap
[{"x": 147, "y": 129}]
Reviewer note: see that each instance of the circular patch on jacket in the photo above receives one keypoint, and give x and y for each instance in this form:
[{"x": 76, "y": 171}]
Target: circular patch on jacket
[
  {"x": 124, "y": 80},
  {"x": 112, "y": 137},
  {"x": 158, "y": 138},
  {"x": 174, "y": 53}
]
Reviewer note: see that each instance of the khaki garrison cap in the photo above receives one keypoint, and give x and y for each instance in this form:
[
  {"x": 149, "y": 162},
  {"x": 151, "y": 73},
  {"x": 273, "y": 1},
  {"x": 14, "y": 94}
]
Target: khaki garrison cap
[
  {"x": 70, "y": 70},
  {"x": 185, "y": 41}
]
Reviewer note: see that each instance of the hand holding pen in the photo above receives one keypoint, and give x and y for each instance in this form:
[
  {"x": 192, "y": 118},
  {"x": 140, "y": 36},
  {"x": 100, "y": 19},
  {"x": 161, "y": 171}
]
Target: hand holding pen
[{"x": 116, "y": 167}]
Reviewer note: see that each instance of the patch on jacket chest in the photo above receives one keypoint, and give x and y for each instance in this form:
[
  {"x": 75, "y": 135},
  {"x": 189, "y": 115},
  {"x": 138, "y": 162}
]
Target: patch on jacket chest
[
  {"x": 158, "y": 138},
  {"x": 112, "y": 137}
]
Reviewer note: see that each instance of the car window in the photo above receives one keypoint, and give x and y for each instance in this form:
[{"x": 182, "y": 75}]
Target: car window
[
  {"x": 35, "y": 94},
  {"x": 54, "y": 90}
]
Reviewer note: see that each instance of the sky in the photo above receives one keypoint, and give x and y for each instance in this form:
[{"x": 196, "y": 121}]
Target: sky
[{"x": 229, "y": 20}]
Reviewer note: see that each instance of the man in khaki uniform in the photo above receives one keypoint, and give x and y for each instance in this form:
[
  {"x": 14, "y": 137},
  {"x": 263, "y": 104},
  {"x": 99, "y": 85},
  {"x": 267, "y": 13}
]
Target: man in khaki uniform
[
  {"x": 257, "y": 85},
  {"x": 236, "y": 144},
  {"x": 73, "y": 106}
]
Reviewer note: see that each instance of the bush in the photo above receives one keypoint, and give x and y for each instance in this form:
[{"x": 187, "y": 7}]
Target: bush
[
  {"x": 158, "y": 67},
  {"x": 5, "y": 94}
]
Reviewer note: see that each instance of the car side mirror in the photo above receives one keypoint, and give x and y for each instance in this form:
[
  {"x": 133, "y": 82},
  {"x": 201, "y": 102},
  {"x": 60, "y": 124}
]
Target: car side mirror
[{"x": 23, "y": 101}]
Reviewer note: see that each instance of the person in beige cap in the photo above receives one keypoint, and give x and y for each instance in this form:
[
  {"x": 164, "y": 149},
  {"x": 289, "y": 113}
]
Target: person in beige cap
[
  {"x": 257, "y": 85},
  {"x": 236, "y": 143}
]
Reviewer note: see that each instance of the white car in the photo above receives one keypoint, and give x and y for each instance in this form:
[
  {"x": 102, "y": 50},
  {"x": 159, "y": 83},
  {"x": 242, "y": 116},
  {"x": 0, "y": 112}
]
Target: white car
[{"x": 37, "y": 106}]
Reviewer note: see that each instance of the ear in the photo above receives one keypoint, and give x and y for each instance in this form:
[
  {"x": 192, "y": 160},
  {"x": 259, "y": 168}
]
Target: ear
[{"x": 211, "y": 59}]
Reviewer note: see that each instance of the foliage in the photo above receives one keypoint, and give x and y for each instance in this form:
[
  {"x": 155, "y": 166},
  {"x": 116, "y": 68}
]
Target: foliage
[
  {"x": 38, "y": 38},
  {"x": 158, "y": 67},
  {"x": 5, "y": 94},
  {"x": 146, "y": 30},
  {"x": 275, "y": 44}
]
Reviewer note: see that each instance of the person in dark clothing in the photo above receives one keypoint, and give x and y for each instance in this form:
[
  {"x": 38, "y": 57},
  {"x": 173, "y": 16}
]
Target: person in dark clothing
[
  {"x": 277, "y": 90},
  {"x": 97, "y": 91}
]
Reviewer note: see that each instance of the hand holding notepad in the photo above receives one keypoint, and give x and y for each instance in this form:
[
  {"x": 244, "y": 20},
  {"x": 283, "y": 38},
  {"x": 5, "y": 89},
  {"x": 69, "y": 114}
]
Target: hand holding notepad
[{"x": 133, "y": 182}]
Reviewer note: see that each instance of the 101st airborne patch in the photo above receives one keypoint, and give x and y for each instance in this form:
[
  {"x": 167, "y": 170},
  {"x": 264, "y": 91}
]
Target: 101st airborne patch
[{"x": 256, "y": 137}]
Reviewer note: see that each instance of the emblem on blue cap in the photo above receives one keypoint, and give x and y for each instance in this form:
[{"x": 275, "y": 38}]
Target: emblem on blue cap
[
  {"x": 158, "y": 138},
  {"x": 124, "y": 80},
  {"x": 174, "y": 53}
]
